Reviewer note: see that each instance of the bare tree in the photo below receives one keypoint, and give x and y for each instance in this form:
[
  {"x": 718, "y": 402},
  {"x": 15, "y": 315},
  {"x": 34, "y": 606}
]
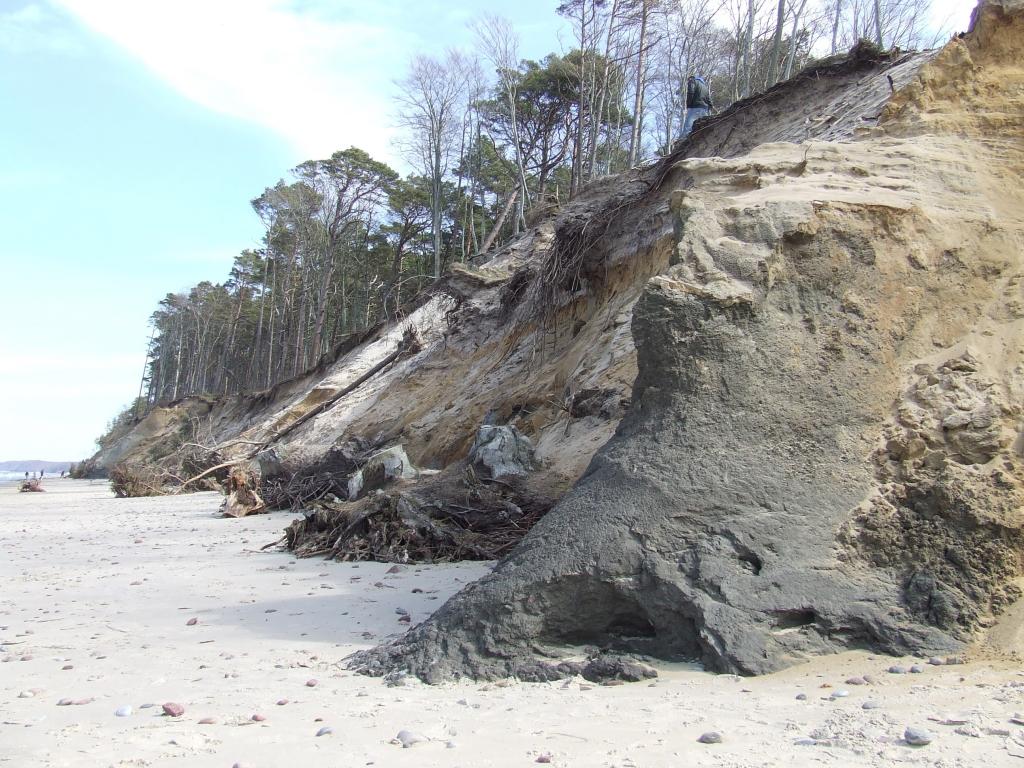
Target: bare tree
[
  {"x": 499, "y": 44},
  {"x": 430, "y": 95}
]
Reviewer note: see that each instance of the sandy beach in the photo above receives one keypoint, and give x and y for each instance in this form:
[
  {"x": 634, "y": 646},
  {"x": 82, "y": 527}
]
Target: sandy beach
[{"x": 112, "y": 608}]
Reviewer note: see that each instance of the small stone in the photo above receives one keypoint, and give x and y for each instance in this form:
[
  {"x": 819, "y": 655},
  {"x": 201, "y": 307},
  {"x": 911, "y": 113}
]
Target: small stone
[
  {"x": 896, "y": 669},
  {"x": 870, "y": 705},
  {"x": 840, "y": 694},
  {"x": 171, "y": 709},
  {"x": 935, "y": 661},
  {"x": 258, "y": 718},
  {"x": 282, "y": 702},
  {"x": 67, "y": 667},
  {"x": 124, "y": 711},
  {"x": 856, "y": 681},
  {"x": 870, "y": 679},
  {"x": 325, "y": 731},
  {"x": 917, "y": 669},
  {"x": 917, "y": 737},
  {"x": 801, "y": 697},
  {"x": 148, "y": 705},
  {"x": 207, "y": 721},
  {"x": 711, "y": 737},
  {"x": 409, "y": 739},
  {"x": 192, "y": 622},
  {"x": 545, "y": 758},
  {"x": 312, "y": 683},
  {"x": 395, "y": 569},
  {"x": 64, "y": 703}
]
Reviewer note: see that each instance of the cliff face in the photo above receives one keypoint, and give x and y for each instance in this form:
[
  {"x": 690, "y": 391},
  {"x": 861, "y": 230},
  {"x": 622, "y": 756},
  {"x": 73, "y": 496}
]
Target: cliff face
[
  {"x": 801, "y": 339},
  {"x": 540, "y": 336}
]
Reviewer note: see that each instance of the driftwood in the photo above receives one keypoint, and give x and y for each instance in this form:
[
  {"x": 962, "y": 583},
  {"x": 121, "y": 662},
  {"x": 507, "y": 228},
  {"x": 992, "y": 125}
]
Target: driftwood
[{"x": 242, "y": 497}]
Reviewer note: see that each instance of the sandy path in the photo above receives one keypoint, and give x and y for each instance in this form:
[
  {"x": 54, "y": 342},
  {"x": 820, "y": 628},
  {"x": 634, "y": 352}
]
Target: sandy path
[{"x": 106, "y": 587}]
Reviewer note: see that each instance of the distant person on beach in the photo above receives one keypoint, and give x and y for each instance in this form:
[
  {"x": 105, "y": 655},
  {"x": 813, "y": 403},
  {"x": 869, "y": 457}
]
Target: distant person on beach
[
  {"x": 698, "y": 102},
  {"x": 62, "y": 474},
  {"x": 26, "y": 475}
]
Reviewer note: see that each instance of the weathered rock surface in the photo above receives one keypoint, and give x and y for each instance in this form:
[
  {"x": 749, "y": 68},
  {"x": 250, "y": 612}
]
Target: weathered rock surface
[
  {"x": 501, "y": 451},
  {"x": 823, "y": 446},
  {"x": 380, "y": 469}
]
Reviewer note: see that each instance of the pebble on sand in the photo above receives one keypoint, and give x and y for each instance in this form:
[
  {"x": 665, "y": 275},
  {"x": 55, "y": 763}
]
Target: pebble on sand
[
  {"x": 312, "y": 683},
  {"x": 325, "y": 731},
  {"x": 208, "y": 721},
  {"x": 192, "y": 622},
  {"x": 917, "y": 737},
  {"x": 409, "y": 739},
  {"x": 801, "y": 697},
  {"x": 896, "y": 669},
  {"x": 282, "y": 702},
  {"x": 711, "y": 737},
  {"x": 840, "y": 694},
  {"x": 172, "y": 709},
  {"x": 917, "y": 669},
  {"x": 870, "y": 705},
  {"x": 258, "y": 718},
  {"x": 124, "y": 711},
  {"x": 545, "y": 758}
]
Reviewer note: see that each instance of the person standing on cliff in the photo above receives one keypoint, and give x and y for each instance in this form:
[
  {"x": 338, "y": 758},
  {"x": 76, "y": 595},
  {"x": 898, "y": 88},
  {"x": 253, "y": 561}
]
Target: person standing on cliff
[{"x": 698, "y": 102}]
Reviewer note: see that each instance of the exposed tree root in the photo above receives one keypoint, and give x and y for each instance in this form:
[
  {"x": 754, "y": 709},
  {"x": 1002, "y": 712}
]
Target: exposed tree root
[{"x": 443, "y": 519}]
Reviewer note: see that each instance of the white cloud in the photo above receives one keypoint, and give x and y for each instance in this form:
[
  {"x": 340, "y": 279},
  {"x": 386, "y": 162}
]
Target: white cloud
[
  {"x": 34, "y": 28},
  {"x": 950, "y": 15},
  {"x": 321, "y": 83}
]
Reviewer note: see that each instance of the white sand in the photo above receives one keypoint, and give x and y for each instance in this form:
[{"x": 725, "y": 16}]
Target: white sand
[{"x": 107, "y": 586}]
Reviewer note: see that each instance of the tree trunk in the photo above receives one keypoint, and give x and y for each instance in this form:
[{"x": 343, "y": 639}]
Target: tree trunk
[
  {"x": 773, "y": 62},
  {"x": 638, "y": 100},
  {"x": 878, "y": 24},
  {"x": 748, "y": 44},
  {"x": 792, "y": 41},
  {"x": 835, "y": 25},
  {"x": 497, "y": 224}
]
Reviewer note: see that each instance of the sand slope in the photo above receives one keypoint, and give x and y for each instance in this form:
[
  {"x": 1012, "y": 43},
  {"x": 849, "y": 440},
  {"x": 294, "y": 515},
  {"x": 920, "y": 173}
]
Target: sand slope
[{"x": 107, "y": 587}]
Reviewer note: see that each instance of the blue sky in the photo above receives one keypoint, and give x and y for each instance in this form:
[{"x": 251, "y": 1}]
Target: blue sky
[
  {"x": 132, "y": 136},
  {"x": 133, "y": 133}
]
